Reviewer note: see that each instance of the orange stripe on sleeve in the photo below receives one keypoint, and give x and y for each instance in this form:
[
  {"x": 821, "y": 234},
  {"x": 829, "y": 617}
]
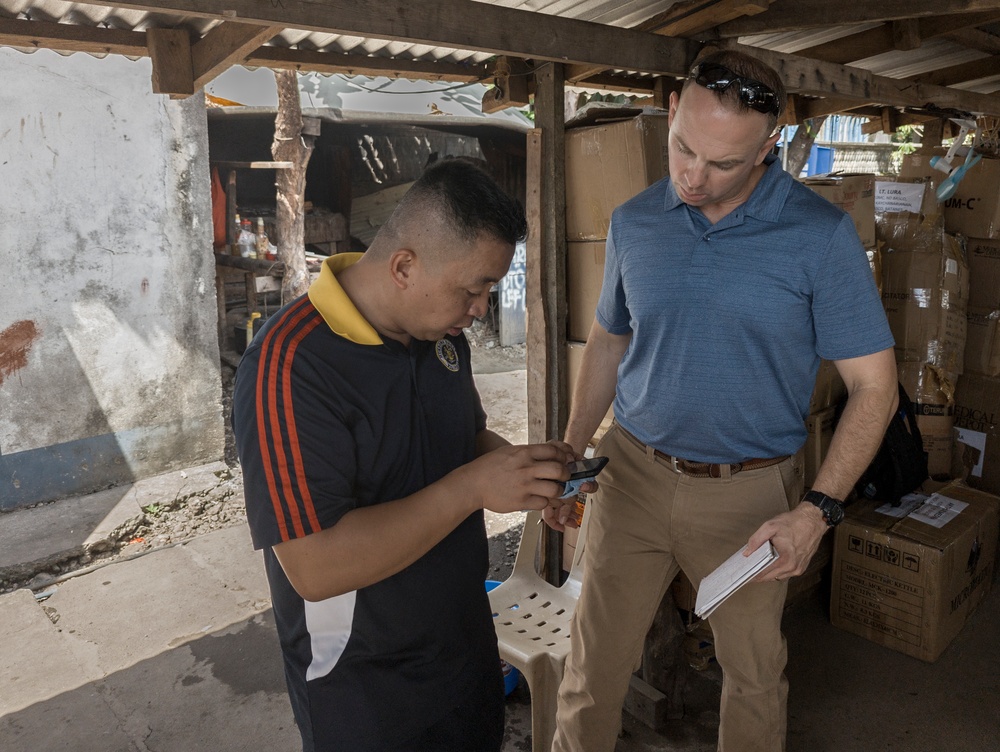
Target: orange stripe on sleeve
[
  {"x": 270, "y": 354},
  {"x": 293, "y": 436}
]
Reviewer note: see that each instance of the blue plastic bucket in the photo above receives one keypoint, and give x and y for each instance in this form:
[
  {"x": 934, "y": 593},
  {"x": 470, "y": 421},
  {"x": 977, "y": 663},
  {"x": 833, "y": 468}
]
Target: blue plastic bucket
[{"x": 511, "y": 676}]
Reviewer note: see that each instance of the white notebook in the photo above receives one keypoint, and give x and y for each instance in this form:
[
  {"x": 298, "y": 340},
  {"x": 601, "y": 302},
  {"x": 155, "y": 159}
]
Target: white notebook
[{"x": 731, "y": 575}]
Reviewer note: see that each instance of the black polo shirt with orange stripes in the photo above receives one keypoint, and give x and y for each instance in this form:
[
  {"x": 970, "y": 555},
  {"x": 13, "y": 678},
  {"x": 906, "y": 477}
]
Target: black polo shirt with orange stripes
[{"x": 328, "y": 418}]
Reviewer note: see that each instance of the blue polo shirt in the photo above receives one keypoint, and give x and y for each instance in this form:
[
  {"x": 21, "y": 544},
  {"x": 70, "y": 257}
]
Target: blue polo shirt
[
  {"x": 730, "y": 321},
  {"x": 328, "y": 418}
]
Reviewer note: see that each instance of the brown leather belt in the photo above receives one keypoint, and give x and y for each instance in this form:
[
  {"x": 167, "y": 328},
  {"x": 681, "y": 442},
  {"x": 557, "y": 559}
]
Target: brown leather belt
[{"x": 705, "y": 469}]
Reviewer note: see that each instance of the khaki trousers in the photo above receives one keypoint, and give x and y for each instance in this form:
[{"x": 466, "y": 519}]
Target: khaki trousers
[{"x": 646, "y": 522}]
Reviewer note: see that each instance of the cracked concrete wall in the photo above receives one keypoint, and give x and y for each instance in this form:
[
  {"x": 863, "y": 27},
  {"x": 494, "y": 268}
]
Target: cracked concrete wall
[{"x": 109, "y": 360}]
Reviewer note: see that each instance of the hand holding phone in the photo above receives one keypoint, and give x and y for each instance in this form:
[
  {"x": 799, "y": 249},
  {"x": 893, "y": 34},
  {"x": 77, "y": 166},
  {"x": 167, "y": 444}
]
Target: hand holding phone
[{"x": 580, "y": 472}]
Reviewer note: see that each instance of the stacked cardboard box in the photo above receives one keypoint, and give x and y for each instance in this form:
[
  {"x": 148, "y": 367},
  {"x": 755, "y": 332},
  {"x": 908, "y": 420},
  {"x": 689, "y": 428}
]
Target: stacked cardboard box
[
  {"x": 925, "y": 291},
  {"x": 974, "y": 211},
  {"x": 911, "y": 582},
  {"x": 606, "y": 165}
]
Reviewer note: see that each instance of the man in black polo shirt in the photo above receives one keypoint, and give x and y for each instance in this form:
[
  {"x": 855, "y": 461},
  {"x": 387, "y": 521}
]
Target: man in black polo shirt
[{"x": 367, "y": 465}]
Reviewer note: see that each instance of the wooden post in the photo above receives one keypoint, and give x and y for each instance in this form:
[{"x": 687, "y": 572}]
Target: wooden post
[
  {"x": 546, "y": 278},
  {"x": 933, "y": 133}
]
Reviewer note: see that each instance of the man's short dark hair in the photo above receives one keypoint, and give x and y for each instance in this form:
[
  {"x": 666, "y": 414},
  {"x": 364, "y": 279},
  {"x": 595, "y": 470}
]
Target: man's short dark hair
[
  {"x": 472, "y": 201},
  {"x": 746, "y": 66}
]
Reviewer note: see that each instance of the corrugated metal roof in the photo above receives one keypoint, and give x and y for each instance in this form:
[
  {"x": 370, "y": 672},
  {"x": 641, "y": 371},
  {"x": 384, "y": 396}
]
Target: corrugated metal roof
[
  {"x": 932, "y": 54},
  {"x": 623, "y": 13}
]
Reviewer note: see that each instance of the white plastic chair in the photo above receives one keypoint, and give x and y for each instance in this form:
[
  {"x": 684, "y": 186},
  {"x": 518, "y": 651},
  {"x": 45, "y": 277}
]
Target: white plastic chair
[{"x": 532, "y": 619}]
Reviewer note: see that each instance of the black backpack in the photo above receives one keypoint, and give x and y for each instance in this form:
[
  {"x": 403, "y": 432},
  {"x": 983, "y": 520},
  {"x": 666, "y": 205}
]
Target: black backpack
[{"x": 900, "y": 464}]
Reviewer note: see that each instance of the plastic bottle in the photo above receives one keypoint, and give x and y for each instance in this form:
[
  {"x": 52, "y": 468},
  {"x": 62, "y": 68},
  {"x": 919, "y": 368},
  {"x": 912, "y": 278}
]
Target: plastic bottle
[
  {"x": 235, "y": 248},
  {"x": 262, "y": 243},
  {"x": 246, "y": 241}
]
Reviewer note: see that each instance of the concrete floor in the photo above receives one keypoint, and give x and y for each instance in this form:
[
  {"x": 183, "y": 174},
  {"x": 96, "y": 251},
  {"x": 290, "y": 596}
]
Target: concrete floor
[
  {"x": 175, "y": 651},
  {"x": 846, "y": 694}
]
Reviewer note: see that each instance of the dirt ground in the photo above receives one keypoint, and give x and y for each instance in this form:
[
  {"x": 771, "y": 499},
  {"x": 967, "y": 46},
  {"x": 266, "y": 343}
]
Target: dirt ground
[{"x": 500, "y": 373}]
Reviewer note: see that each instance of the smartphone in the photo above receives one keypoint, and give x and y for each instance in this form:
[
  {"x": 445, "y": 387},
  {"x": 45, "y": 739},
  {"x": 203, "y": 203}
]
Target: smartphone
[{"x": 580, "y": 472}]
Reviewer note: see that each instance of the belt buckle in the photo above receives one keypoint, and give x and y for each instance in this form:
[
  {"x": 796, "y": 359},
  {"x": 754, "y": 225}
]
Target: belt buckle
[{"x": 673, "y": 464}]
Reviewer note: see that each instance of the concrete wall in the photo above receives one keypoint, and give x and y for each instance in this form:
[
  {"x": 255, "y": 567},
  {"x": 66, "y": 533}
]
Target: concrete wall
[{"x": 109, "y": 361}]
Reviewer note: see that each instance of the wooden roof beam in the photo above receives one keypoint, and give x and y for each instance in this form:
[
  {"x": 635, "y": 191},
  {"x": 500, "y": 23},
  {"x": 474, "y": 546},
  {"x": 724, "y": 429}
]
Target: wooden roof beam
[
  {"x": 459, "y": 24},
  {"x": 44, "y": 35},
  {"x": 99, "y": 40},
  {"x": 794, "y": 15},
  {"x": 837, "y": 81},
  {"x": 961, "y": 73},
  {"x": 170, "y": 53},
  {"x": 801, "y": 109},
  {"x": 225, "y": 45},
  {"x": 362, "y": 65},
  {"x": 681, "y": 19},
  {"x": 880, "y": 39},
  {"x": 694, "y": 16}
]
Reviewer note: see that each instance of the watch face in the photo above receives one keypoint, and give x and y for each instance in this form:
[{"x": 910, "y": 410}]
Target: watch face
[{"x": 834, "y": 513}]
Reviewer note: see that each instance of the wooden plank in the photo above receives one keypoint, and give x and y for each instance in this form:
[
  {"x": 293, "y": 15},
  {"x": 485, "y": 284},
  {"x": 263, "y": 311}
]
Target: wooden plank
[
  {"x": 461, "y": 24},
  {"x": 956, "y": 74},
  {"x": 875, "y": 41},
  {"x": 170, "y": 52},
  {"x": 546, "y": 265},
  {"x": 793, "y": 15},
  {"x": 976, "y": 40},
  {"x": 363, "y": 65},
  {"x": 225, "y": 45},
  {"x": 825, "y": 79},
  {"x": 254, "y": 165},
  {"x": 695, "y": 16},
  {"x": 906, "y": 34},
  {"x": 71, "y": 38}
]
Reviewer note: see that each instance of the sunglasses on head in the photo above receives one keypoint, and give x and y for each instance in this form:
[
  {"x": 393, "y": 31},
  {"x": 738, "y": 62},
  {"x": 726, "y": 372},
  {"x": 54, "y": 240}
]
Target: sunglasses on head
[{"x": 751, "y": 93}]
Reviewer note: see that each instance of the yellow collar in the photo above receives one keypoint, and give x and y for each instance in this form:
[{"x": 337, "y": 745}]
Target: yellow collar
[{"x": 335, "y": 307}]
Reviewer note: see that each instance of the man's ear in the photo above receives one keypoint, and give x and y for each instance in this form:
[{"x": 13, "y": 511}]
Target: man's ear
[
  {"x": 672, "y": 103},
  {"x": 768, "y": 145},
  {"x": 401, "y": 264}
]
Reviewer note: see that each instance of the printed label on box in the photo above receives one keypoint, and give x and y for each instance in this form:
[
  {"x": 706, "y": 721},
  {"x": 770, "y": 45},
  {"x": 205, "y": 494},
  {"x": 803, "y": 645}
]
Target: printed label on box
[
  {"x": 976, "y": 439},
  {"x": 938, "y": 511},
  {"x": 881, "y": 603},
  {"x": 898, "y": 197}
]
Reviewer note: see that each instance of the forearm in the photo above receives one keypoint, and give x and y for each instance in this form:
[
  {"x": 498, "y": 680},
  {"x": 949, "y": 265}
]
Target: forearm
[
  {"x": 487, "y": 441},
  {"x": 595, "y": 387},
  {"x": 372, "y": 543},
  {"x": 859, "y": 433}
]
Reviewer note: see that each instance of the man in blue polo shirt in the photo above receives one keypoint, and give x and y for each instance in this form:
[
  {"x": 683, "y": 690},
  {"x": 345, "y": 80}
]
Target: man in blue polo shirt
[
  {"x": 724, "y": 286},
  {"x": 367, "y": 465}
]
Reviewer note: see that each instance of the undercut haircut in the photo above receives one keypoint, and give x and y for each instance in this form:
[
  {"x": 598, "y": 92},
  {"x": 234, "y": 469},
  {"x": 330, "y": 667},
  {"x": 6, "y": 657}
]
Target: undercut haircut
[{"x": 466, "y": 198}]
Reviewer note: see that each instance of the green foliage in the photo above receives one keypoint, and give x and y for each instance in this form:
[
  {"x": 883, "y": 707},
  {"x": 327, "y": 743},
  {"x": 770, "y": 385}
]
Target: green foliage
[{"x": 904, "y": 140}]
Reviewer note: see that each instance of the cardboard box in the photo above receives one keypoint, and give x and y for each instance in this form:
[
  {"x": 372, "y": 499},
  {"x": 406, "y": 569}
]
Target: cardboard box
[
  {"x": 932, "y": 392},
  {"x": 982, "y": 342},
  {"x": 584, "y": 274},
  {"x": 974, "y": 209},
  {"x": 984, "y": 272},
  {"x": 829, "y": 389},
  {"x": 855, "y": 194},
  {"x": 819, "y": 428},
  {"x": 977, "y": 424},
  {"x": 925, "y": 291},
  {"x": 574, "y": 357},
  {"x": 911, "y": 585},
  {"x": 608, "y": 164}
]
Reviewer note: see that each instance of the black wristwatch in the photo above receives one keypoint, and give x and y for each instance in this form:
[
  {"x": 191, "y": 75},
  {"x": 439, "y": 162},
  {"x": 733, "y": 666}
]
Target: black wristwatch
[{"x": 832, "y": 509}]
